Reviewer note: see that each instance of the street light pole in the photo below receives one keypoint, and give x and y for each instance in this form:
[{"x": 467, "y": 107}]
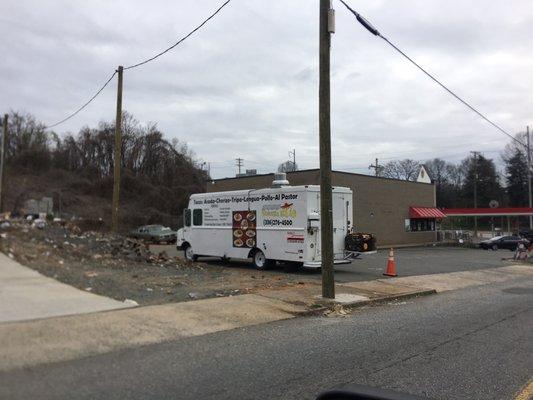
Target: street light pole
[{"x": 326, "y": 215}]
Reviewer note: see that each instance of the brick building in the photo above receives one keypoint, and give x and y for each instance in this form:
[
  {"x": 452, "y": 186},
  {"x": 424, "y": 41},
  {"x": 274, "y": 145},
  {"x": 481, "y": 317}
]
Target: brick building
[{"x": 397, "y": 212}]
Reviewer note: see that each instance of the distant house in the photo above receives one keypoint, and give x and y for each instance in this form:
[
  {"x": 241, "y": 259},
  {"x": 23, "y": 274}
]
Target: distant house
[{"x": 423, "y": 176}]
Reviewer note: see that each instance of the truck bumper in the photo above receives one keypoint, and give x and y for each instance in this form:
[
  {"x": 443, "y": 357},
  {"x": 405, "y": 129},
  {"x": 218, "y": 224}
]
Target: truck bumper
[
  {"x": 349, "y": 256},
  {"x": 318, "y": 264}
]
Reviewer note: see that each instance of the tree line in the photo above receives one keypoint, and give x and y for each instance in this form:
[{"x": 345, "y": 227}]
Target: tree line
[
  {"x": 455, "y": 182},
  {"x": 157, "y": 174}
]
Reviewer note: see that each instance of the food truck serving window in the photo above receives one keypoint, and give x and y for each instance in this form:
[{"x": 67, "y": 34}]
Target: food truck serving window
[
  {"x": 187, "y": 217},
  {"x": 197, "y": 217}
]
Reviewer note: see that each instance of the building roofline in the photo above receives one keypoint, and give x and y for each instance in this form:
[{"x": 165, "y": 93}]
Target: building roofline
[
  {"x": 318, "y": 169},
  {"x": 380, "y": 177}
]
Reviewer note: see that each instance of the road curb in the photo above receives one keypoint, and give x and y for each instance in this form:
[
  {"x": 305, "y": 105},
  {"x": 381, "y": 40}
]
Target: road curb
[{"x": 320, "y": 309}]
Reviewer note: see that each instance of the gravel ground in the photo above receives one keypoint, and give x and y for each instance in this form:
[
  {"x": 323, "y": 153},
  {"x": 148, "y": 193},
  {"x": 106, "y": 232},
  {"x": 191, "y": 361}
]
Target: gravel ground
[{"x": 113, "y": 266}]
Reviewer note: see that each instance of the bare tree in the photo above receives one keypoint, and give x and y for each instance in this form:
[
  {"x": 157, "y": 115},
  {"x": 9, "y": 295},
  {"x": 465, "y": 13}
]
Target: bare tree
[
  {"x": 158, "y": 175},
  {"x": 403, "y": 169}
]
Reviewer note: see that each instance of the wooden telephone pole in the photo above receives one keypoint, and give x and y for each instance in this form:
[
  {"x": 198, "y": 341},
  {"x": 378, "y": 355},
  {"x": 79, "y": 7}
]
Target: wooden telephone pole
[
  {"x": 326, "y": 215},
  {"x": 293, "y": 155},
  {"x": 476, "y": 156},
  {"x": 375, "y": 166},
  {"x": 529, "y": 176},
  {"x": 118, "y": 152},
  {"x": 238, "y": 163},
  {"x": 3, "y": 154}
]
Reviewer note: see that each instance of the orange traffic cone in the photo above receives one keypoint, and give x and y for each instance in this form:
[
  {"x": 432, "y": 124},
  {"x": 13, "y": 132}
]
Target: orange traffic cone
[{"x": 391, "y": 265}]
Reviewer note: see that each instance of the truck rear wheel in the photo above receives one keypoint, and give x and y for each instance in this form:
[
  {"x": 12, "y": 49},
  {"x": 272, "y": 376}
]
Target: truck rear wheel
[{"x": 260, "y": 261}]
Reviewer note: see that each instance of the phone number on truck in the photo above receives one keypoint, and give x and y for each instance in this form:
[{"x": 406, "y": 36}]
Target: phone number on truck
[{"x": 276, "y": 222}]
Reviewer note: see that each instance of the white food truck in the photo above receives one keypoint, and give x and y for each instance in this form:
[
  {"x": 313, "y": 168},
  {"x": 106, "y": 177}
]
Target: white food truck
[{"x": 281, "y": 223}]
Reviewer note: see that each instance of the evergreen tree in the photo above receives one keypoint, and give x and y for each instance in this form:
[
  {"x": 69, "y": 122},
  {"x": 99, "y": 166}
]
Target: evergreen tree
[
  {"x": 482, "y": 171},
  {"x": 516, "y": 179}
]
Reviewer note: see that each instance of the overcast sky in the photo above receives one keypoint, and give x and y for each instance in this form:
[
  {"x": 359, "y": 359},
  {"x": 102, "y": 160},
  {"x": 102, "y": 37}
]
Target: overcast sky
[{"x": 246, "y": 85}]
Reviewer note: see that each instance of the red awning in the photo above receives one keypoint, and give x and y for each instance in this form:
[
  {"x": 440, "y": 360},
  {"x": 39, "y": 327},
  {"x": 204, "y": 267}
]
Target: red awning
[
  {"x": 426, "y": 212},
  {"x": 488, "y": 212}
]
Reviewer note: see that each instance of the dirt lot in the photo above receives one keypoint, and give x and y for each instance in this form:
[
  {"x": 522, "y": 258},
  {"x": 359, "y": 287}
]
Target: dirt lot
[{"x": 122, "y": 269}]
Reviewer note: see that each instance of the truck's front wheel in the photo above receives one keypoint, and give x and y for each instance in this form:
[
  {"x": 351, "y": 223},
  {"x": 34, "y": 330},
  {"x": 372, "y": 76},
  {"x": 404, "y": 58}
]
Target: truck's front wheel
[
  {"x": 189, "y": 253},
  {"x": 260, "y": 261}
]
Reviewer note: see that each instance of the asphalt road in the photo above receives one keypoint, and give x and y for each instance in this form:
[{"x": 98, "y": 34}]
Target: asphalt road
[
  {"x": 465, "y": 344},
  {"x": 421, "y": 261},
  {"x": 409, "y": 262}
]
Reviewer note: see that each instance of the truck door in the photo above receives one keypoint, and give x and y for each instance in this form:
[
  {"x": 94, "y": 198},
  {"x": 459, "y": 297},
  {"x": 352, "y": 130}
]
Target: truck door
[{"x": 340, "y": 228}]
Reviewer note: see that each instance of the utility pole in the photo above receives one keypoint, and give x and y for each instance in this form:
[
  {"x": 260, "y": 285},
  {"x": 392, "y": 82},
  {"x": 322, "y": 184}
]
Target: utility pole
[
  {"x": 3, "y": 154},
  {"x": 475, "y": 153},
  {"x": 207, "y": 169},
  {"x": 326, "y": 215},
  {"x": 59, "y": 203},
  {"x": 239, "y": 162},
  {"x": 118, "y": 152},
  {"x": 293, "y": 155},
  {"x": 376, "y": 166},
  {"x": 529, "y": 176}
]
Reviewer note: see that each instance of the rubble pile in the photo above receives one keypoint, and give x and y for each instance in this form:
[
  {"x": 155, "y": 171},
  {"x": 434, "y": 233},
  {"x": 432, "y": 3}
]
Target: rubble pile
[
  {"x": 124, "y": 268},
  {"x": 137, "y": 250},
  {"x": 68, "y": 241}
]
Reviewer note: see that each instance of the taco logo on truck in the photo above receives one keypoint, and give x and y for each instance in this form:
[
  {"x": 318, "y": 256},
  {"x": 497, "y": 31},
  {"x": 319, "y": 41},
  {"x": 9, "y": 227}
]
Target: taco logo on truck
[
  {"x": 284, "y": 210},
  {"x": 278, "y": 214}
]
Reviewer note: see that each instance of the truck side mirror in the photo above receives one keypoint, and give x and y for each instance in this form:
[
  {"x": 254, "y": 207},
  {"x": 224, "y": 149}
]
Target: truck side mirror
[{"x": 186, "y": 217}]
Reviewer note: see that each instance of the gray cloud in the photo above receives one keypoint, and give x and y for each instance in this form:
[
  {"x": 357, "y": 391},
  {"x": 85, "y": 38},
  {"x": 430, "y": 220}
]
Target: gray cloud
[{"x": 246, "y": 85}]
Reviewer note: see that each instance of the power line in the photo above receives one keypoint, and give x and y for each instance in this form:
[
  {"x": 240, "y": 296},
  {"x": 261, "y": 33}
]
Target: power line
[
  {"x": 84, "y": 105},
  {"x": 181, "y": 40},
  {"x": 137, "y": 65},
  {"x": 375, "y": 32}
]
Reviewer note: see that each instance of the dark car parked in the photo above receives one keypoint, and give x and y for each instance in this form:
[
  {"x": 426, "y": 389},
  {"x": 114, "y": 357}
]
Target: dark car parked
[
  {"x": 154, "y": 234},
  {"x": 503, "y": 242}
]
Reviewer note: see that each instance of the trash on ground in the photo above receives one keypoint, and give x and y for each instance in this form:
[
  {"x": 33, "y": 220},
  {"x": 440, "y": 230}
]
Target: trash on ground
[{"x": 125, "y": 268}]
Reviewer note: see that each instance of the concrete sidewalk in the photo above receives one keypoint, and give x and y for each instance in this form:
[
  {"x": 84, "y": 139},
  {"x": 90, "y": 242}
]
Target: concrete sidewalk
[
  {"x": 25, "y": 294},
  {"x": 463, "y": 279},
  {"x": 65, "y": 338}
]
